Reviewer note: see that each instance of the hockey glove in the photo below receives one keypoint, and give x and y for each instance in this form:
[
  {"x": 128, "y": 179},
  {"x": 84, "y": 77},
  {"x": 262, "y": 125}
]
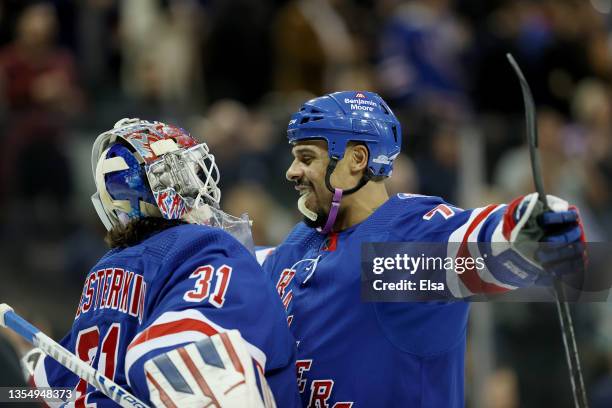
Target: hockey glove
[
  {"x": 527, "y": 224},
  {"x": 214, "y": 372}
]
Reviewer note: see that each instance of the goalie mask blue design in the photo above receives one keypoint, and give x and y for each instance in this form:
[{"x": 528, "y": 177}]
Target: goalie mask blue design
[
  {"x": 129, "y": 184},
  {"x": 346, "y": 116}
]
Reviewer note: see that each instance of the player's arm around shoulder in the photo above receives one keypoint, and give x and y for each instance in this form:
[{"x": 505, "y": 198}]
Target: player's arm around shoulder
[{"x": 212, "y": 287}]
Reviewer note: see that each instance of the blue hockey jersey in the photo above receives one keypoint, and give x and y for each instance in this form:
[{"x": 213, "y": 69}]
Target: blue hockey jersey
[
  {"x": 356, "y": 354},
  {"x": 176, "y": 287}
]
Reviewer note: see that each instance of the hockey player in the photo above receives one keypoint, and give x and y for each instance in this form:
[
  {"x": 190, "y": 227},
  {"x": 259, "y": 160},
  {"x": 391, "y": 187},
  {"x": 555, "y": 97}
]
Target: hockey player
[
  {"x": 168, "y": 286},
  {"x": 354, "y": 353}
]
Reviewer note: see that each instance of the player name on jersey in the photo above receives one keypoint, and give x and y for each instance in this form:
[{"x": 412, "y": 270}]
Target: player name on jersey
[{"x": 113, "y": 288}]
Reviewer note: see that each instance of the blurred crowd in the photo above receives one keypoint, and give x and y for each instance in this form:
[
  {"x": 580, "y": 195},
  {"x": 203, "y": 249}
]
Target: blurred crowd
[{"x": 232, "y": 71}]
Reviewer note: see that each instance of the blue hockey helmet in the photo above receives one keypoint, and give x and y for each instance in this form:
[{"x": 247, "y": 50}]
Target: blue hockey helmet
[{"x": 358, "y": 116}]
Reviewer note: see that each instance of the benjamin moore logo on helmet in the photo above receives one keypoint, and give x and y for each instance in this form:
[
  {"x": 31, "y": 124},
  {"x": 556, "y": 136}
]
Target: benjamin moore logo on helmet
[
  {"x": 357, "y": 104},
  {"x": 360, "y": 102},
  {"x": 359, "y": 95}
]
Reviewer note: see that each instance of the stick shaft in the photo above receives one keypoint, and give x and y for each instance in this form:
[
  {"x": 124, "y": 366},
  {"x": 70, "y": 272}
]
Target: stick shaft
[
  {"x": 571, "y": 349},
  {"x": 11, "y": 320},
  {"x": 563, "y": 311}
]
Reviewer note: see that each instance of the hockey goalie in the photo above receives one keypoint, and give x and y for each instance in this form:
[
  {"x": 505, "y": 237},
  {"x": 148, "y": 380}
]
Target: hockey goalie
[{"x": 178, "y": 311}]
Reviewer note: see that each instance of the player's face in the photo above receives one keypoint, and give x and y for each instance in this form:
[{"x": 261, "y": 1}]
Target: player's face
[{"x": 308, "y": 173}]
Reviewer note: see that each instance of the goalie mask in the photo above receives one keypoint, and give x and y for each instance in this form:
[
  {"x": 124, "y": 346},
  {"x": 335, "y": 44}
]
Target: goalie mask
[{"x": 151, "y": 169}]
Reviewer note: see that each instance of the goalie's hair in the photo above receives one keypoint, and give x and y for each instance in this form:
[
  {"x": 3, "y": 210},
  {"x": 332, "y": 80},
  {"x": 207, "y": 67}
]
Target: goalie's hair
[{"x": 137, "y": 230}]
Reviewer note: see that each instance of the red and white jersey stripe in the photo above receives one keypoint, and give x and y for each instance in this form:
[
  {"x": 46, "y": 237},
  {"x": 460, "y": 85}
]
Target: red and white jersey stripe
[{"x": 464, "y": 242}]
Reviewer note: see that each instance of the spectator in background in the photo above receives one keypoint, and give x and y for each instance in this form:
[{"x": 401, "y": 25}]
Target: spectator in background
[
  {"x": 270, "y": 221},
  {"x": 39, "y": 89},
  {"x": 501, "y": 390},
  {"x": 576, "y": 156},
  {"x": 161, "y": 55},
  {"x": 315, "y": 50},
  {"x": 96, "y": 22},
  {"x": 243, "y": 136},
  {"x": 223, "y": 126},
  {"x": 566, "y": 61},
  {"x": 438, "y": 165},
  {"x": 40, "y": 92},
  {"x": 37, "y": 74},
  {"x": 513, "y": 171},
  {"x": 592, "y": 107},
  {"x": 421, "y": 69},
  {"x": 421, "y": 50}
]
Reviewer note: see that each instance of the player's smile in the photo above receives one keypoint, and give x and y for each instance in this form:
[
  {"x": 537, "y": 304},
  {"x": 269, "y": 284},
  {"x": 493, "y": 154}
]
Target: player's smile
[
  {"x": 303, "y": 189},
  {"x": 307, "y": 190},
  {"x": 310, "y": 161}
]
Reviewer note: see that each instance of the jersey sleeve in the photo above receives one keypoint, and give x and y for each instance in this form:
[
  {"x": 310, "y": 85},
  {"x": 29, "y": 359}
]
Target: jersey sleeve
[
  {"x": 479, "y": 233},
  {"x": 469, "y": 234},
  {"x": 208, "y": 291}
]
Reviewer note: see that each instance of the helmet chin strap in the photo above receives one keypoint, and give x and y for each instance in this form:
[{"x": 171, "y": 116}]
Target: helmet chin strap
[
  {"x": 333, "y": 212},
  {"x": 337, "y": 197}
]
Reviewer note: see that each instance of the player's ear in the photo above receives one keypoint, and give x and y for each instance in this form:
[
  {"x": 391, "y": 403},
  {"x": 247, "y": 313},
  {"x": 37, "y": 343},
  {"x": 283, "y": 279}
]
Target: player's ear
[{"x": 359, "y": 158}]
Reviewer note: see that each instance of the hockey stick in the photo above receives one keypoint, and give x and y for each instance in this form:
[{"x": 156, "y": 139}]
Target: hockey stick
[
  {"x": 565, "y": 317},
  {"x": 11, "y": 320}
]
